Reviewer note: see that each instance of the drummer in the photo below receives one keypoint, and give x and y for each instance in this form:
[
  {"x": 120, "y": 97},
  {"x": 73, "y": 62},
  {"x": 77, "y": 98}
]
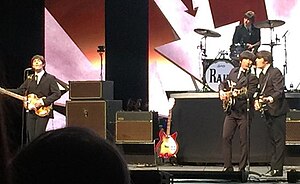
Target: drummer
[{"x": 246, "y": 35}]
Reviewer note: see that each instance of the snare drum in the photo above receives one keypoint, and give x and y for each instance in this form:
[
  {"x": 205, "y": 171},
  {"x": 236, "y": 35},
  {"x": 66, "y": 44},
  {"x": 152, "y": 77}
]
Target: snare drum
[{"x": 217, "y": 72}]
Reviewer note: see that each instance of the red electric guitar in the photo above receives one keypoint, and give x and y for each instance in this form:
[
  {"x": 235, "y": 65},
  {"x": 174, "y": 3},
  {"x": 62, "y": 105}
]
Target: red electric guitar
[{"x": 167, "y": 146}]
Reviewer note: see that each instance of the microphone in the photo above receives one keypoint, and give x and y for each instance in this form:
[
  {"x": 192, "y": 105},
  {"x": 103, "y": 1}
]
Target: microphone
[
  {"x": 285, "y": 33},
  {"x": 28, "y": 69}
]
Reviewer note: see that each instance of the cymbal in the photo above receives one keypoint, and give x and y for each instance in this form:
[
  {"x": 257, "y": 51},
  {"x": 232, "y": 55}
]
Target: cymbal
[
  {"x": 206, "y": 32},
  {"x": 271, "y": 44},
  {"x": 269, "y": 23}
]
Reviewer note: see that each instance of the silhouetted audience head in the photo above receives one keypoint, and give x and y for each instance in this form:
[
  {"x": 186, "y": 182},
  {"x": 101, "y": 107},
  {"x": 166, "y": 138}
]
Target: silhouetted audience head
[
  {"x": 69, "y": 155},
  {"x": 4, "y": 150}
]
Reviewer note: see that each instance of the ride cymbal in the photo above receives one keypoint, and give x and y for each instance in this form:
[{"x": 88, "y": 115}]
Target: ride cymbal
[{"x": 269, "y": 23}]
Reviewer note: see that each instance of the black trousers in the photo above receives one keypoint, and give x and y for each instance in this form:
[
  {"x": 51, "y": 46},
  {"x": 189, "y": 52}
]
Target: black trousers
[
  {"x": 277, "y": 133},
  {"x": 231, "y": 124},
  {"x": 35, "y": 125}
]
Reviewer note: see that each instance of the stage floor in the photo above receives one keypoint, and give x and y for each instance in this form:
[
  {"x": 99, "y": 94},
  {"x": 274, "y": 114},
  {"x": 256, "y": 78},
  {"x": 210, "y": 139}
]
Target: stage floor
[{"x": 213, "y": 174}]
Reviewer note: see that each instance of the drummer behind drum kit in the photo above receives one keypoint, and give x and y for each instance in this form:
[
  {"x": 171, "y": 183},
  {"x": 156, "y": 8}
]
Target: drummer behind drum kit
[{"x": 216, "y": 70}]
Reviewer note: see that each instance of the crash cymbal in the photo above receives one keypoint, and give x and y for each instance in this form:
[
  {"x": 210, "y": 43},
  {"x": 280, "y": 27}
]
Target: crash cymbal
[
  {"x": 206, "y": 32},
  {"x": 269, "y": 23},
  {"x": 271, "y": 44}
]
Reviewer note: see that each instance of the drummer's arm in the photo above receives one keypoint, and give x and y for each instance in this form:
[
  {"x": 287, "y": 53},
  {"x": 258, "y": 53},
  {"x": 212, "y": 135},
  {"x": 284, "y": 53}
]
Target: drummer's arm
[{"x": 254, "y": 46}]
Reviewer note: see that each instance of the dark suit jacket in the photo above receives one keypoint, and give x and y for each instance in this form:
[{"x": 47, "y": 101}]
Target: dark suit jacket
[
  {"x": 243, "y": 36},
  {"x": 250, "y": 81},
  {"x": 272, "y": 84},
  {"x": 47, "y": 87}
]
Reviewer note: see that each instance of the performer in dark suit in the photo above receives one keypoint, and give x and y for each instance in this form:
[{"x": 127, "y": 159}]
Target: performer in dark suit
[
  {"x": 271, "y": 87},
  {"x": 44, "y": 86},
  {"x": 240, "y": 85},
  {"x": 246, "y": 37}
]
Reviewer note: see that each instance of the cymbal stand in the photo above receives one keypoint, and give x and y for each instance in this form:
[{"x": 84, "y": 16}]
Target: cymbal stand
[
  {"x": 285, "y": 56},
  {"x": 202, "y": 57},
  {"x": 271, "y": 43}
]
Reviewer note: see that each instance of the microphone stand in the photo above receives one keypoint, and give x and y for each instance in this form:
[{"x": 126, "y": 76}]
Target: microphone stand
[
  {"x": 101, "y": 50},
  {"x": 23, "y": 126},
  {"x": 248, "y": 127}
]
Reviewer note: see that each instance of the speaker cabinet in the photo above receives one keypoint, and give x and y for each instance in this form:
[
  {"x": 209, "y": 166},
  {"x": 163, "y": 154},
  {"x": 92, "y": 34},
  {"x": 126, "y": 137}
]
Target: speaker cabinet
[
  {"x": 98, "y": 115},
  {"x": 138, "y": 153},
  {"x": 292, "y": 131},
  {"x": 91, "y": 90},
  {"x": 293, "y": 127},
  {"x": 135, "y": 126}
]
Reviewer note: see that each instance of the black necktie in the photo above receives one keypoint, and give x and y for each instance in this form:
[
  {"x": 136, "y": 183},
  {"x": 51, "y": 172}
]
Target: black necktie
[
  {"x": 36, "y": 79},
  {"x": 261, "y": 77},
  {"x": 242, "y": 74}
]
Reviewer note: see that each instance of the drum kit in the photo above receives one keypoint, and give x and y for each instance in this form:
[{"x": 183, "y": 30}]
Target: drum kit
[{"x": 216, "y": 70}]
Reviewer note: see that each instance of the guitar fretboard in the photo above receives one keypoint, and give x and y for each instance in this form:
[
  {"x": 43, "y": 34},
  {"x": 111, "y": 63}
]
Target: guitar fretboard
[
  {"x": 169, "y": 122},
  {"x": 14, "y": 95}
]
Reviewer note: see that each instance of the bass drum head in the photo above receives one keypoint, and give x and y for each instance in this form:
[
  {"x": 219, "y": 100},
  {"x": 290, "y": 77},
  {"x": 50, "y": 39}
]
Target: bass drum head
[{"x": 217, "y": 72}]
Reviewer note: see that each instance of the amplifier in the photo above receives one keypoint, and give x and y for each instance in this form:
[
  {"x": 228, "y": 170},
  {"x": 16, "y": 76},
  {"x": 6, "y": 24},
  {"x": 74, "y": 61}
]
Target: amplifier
[
  {"x": 139, "y": 153},
  {"x": 293, "y": 127},
  {"x": 136, "y": 126},
  {"x": 98, "y": 115},
  {"x": 91, "y": 90}
]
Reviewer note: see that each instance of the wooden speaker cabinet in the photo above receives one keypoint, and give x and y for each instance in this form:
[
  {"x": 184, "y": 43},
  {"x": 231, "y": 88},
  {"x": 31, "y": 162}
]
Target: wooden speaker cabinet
[
  {"x": 91, "y": 90},
  {"x": 135, "y": 127},
  {"x": 98, "y": 115},
  {"x": 293, "y": 127}
]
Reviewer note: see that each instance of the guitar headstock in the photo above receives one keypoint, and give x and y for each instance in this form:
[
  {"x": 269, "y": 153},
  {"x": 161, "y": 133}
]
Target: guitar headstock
[{"x": 171, "y": 103}]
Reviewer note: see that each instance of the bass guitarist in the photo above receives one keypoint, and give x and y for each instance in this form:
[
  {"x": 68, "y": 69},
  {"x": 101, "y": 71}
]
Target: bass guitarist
[
  {"x": 43, "y": 85},
  {"x": 236, "y": 117}
]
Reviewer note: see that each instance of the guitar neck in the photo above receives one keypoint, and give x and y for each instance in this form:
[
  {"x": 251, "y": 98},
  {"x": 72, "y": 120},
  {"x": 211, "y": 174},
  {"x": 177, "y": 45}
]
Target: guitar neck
[
  {"x": 14, "y": 95},
  {"x": 168, "y": 131}
]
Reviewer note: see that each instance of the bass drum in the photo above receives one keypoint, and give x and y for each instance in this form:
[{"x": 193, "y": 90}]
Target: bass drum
[{"x": 217, "y": 72}]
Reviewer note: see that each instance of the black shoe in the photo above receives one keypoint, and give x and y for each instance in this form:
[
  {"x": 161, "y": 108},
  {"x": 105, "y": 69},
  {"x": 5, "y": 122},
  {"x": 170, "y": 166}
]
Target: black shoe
[
  {"x": 274, "y": 172},
  {"x": 228, "y": 169}
]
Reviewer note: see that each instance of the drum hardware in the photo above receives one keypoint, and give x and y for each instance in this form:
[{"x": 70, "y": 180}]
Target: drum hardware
[
  {"x": 222, "y": 54},
  {"x": 205, "y": 33},
  {"x": 285, "y": 57},
  {"x": 271, "y": 24}
]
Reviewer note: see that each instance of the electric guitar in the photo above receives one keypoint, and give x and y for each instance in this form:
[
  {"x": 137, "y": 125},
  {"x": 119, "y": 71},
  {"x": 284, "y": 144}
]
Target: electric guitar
[
  {"x": 167, "y": 146},
  {"x": 229, "y": 101},
  {"x": 261, "y": 105},
  {"x": 28, "y": 102}
]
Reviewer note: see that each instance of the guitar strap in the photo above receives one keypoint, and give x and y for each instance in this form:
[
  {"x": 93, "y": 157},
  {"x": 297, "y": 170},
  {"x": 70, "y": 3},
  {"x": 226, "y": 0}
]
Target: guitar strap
[{"x": 265, "y": 84}]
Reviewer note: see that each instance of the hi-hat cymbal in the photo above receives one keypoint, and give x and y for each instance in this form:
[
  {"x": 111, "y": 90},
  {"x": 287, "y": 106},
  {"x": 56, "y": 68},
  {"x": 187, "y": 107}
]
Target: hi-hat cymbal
[
  {"x": 206, "y": 32},
  {"x": 269, "y": 23}
]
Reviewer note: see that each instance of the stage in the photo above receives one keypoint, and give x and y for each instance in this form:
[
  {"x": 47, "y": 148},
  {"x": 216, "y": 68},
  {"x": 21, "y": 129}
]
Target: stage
[
  {"x": 206, "y": 174},
  {"x": 198, "y": 119}
]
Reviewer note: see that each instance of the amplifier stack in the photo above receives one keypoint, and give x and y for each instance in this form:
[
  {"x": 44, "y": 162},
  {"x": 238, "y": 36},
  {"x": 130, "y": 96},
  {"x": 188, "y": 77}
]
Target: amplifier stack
[
  {"x": 136, "y": 132},
  {"x": 91, "y": 105}
]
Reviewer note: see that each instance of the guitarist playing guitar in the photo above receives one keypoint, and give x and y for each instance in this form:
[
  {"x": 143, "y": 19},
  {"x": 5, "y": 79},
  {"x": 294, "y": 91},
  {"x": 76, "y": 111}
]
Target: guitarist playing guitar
[
  {"x": 167, "y": 147},
  {"x": 238, "y": 89},
  {"x": 38, "y": 92}
]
